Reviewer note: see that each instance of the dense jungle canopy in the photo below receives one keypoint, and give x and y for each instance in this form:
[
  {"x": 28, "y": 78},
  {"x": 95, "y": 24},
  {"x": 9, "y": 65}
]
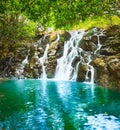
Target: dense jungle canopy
[{"x": 18, "y": 18}]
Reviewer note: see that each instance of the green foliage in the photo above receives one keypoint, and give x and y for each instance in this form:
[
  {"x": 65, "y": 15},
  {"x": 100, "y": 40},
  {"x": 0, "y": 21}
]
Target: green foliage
[
  {"x": 57, "y": 13},
  {"x": 28, "y": 29},
  {"x": 66, "y": 13},
  {"x": 13, "y": 22},
  {"x": 100, "y": 22},
  {"x": 14, "y": 30}
]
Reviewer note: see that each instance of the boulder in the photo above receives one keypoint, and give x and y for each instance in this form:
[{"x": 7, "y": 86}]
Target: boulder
[
  {"x": 88, "y": 46},
  {"x": 52, "y": 37},
  {"x": 114, "y": 66},
  {"x": 33, "y": 61},
  {"x": 102, "y": 38},
  {"x": 81, "y": 74}
]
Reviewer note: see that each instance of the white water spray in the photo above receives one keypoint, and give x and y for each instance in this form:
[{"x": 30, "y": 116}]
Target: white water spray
[
  {"x": 91, "y": 70},
  {"x": 73, "y": 55},
  {"x": 42, "y": 61},
  {"x": 58, "y": 38},
  {"x": 64, "y": 69},
  {"x": 25, "y": 61},
  {"x": 20, "y": 70},
  {"x": 98, "y": 44}
]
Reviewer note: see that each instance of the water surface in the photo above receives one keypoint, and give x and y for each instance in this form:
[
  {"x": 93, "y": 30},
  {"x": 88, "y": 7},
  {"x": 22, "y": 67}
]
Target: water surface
[{"x": 57, "y": 105}]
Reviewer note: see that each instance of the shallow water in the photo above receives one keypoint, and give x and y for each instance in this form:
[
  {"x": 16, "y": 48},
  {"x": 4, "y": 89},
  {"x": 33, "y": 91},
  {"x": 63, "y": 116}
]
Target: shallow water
[{"x": 57, "y": 105}]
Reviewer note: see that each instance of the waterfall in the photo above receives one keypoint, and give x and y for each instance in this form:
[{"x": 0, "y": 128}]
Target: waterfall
[
  {"x": 25, "y": 61},
  {"x": 20, "y": 70},
  {"x": 75, "y": 63},
  {"x": 65, "y": 69},
  {"x": 58, "y": 38},
  {"x": 98, "y": 44},
  {"x": 91, "y": 70},
  {"x": 42, "y": 61}
]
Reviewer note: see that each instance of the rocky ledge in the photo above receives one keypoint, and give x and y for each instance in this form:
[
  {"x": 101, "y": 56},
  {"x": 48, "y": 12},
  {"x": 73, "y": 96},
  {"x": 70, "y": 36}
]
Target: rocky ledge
[{"x": 107, "y": 64}]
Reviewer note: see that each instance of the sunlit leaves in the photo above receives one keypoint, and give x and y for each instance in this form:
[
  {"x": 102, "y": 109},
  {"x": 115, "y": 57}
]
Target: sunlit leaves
[{"x": 60, "y": 13}]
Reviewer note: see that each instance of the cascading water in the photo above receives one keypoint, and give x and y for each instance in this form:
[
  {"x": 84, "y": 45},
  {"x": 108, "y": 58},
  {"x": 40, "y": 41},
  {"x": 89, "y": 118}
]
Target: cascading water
[
  {"x": 25, "y": 61},
  {"x": 42, "y": 62},
  {"x": 91, "y": 70},
  {"x": 98, "y": 44},
  {"x": 58, "y": 38},
  {"x": 65, "y": 69},
  {"x": 75, "y": 56},
  {"x": 90, "y": 67},
  {"x": 20, "y": 70},
  {"x": 44, "y": 58}
]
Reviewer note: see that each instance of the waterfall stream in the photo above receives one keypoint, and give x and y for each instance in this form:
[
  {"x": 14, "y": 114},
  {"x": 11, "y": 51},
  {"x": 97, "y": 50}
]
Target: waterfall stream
[
  {"x": 99, "y": 44},
  {"x": 42, "y": 61},
  {"x": 91, "y": 70},
  {"x": 65, "y": 69},
  {"x": 74, "y": 57},
  {"x": 20, "y": 70}
]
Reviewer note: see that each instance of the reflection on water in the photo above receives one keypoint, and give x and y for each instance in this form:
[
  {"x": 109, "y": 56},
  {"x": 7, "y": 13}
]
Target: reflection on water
[{"x": 57, "y": 105}]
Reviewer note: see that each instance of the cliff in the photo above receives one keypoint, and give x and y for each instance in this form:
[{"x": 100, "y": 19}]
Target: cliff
[{"x": 103, "y": 46}]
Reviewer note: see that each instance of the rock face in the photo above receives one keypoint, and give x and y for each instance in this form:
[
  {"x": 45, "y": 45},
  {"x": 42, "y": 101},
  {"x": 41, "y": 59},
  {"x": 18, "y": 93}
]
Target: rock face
[
  {"x": 82, "y": 69},
  {"x": 25, "y": 62},
  {"x": 106, "y": 59},
  {"x": 107, "y": 64}
]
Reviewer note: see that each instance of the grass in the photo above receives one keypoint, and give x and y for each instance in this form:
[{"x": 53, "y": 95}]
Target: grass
[{"x": 100, "y": 22}]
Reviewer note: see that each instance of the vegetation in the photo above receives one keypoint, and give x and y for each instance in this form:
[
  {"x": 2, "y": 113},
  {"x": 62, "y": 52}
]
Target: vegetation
[
  {"x": 100, "y": 22},
  {"x": 19, "y": 18}
]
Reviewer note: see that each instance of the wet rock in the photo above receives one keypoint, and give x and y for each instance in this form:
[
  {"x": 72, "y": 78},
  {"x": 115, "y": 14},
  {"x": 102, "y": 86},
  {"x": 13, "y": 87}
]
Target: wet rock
[
  {"x": 53, "y": 48},
  {"x": 41, "y": 50},
  {"x": 51, "y": 73},
  {"x": 35, "y": 73},
  {"x": 33, "y": 61},
  {"x": 64, "y": 36},
  {"x": 81, "y": 74},
  {"x": 102, "y": 39},
  {"x": 51, "y": 66},
  {"x": 112, "y": 44},
  {"x": 88, "y": 46},
  {"x": 101, "y": 73},
  {"x": 107, "y": 69},
  {"x": 108, "y": 66},
  {"x": 52, "y": 37},
  {"x": 33, "y": 48},
  {"x": 52, "y": 52},
  {"x": 94, "y": 39},
  {"x": 100, "y": 62},
  {"x": 114, "y": 67},
  {"x": 107, "y": 51},
  {"x": 112, "y": 31},
  {"x": 75, "y": 61}
]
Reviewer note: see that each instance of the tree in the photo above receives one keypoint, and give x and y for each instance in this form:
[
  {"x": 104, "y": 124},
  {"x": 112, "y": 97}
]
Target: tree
[
  {"x": 68, "y": 12},
  {"x": 57, "y": 13},
  {"x": 12, "y": 21}
]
